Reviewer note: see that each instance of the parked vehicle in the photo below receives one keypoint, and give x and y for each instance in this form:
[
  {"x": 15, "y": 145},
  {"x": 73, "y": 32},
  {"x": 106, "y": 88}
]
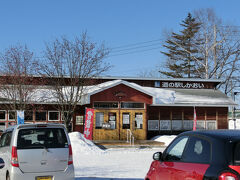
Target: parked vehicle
[
  {"x": 195, "y": 155},
  {"x": 36, "y": 151}
]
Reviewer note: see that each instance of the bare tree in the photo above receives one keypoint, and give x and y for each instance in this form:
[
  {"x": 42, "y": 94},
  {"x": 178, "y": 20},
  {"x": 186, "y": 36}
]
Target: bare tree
[
  {"x": 69, "y": 64},
  {"x": 221, "y": 49},
  {"x": 18, "y": 83}
]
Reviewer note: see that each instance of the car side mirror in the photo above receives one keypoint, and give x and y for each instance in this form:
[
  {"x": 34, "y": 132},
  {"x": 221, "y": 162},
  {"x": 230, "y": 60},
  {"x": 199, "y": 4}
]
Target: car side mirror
[
  {"x": 2, "y": 163},
  {"x": 157, "y": 156}
]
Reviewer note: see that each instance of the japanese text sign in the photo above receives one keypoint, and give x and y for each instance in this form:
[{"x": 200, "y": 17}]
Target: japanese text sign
[{"x": 88, "y": 123}]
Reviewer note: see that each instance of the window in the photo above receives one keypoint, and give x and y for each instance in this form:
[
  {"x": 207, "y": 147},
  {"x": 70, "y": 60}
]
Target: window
[
  {"x": 187, "y": 125},
  {"x": 197, "y": 151},
  {"x": 138, "y": 120},
  {"x": 53, "y": 116},
  {"x": 175, "y": 150},
  {"x": 11, "y": 115},
  {"x": 157, "y": 84},
  {"x": 2, "y": 115},
  {"x": 65, "y": 115},
  {"x": 210, "y": 125},
  {"x": 41, "y": 138},
  {"x": 237, "y": 154},
  {"x": 177, "y": 125},
  {"x": 28, "y": 115},
  {"x": 165, "y": 125},
  {"x": 112, "y": 120},
  {"x": 131, "y": 105},
  {"x": 126, "y": 120},
  {"x": 99, "y": 120},
  {"x": 41, "y": 116},
  {"x": 153, "y": 125},
  {"x": 200, "y": 124},
  {"x": 5, "y": 139},
  {"x": 106, "y": 104}
]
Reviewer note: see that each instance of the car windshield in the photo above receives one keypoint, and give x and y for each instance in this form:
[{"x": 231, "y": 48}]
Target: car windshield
[{"x": 41, "y": 138}]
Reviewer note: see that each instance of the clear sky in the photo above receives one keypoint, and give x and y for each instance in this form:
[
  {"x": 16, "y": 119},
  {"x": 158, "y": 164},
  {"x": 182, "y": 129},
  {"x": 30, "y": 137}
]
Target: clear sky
[{"x": 117, "y": 23}]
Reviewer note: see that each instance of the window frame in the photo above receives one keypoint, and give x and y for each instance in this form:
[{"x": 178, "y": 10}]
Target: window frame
[
  {"x": 135, "y": 121},
  {"x": 25, "y": 115},
  {"x": 53, "y": 112},
  {"x": 186, "y": 153},
  {"x": 126, "y": 126},
  {"x": 101, "y": 122},
  {"x": 9, "y": 115},
  {"x": 144, "y": 106},
  {"x": 40, "y": 112},
  {"x": 106, "y": 102},
  {"x": 172, "y": 145},
  {"x": 5, "y": 115},
  {"x": 9, "y": 133},
  {"x": 62, "y": 115}
]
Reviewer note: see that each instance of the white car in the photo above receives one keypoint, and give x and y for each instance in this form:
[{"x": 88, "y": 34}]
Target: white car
[{"x": 37, "y": 152}]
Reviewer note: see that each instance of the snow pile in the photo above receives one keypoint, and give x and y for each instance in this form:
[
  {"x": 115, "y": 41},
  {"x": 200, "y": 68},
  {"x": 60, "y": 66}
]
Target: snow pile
[
  {"x": 81, "y": 145},
  {"x": 165, "y": 139}
]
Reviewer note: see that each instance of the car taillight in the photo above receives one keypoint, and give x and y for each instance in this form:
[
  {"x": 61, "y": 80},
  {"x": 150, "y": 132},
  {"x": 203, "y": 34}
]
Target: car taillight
[
  {"x": 70, "y": 158},
  {"x": 228, "y": 176},
  {"x": 14, "y": 158}
]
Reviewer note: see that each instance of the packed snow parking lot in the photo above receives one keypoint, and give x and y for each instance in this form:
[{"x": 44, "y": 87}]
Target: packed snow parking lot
[{"x": 93, "y": 163}]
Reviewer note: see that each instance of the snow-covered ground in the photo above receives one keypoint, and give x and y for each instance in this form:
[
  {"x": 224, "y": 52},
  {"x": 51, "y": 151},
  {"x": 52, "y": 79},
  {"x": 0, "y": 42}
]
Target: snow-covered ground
[{"x": 93, "y": 163}]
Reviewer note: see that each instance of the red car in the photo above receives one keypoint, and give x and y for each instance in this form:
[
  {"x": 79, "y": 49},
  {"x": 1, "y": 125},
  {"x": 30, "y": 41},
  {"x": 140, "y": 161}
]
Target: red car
[{"x": 199, "y": 155}]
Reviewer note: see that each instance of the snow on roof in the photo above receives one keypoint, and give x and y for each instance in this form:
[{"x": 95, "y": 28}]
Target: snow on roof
[
  {"x": 161, "y": 96},
  {"x": 190, "y": 97}
]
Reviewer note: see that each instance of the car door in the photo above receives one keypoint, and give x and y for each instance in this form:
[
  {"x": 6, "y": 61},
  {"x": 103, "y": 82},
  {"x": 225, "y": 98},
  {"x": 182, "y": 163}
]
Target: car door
[
  {"x": 194, "y": 161},
  {"x": 165, "y": 169},
  {"x": 5, "y": 153}
]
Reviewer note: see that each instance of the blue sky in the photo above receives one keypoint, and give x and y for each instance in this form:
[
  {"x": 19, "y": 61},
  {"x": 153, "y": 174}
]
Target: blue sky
[{"x": 114, "y": 22}]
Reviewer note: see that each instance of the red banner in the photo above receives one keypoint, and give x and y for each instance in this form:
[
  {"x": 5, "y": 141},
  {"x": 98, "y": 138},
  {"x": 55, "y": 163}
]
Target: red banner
[
  {"x": 194, "y": 120},
  {"x": 88, "y": 123}
]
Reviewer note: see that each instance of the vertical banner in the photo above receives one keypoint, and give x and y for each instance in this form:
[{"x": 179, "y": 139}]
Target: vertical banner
[
  {"x": 88, "y": 123},
  {"x": 194, "y": 120},
  {"x": 20, "y": 117}
]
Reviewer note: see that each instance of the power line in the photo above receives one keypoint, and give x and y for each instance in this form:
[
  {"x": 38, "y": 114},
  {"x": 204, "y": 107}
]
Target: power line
[
  {"x": 137, "y": 47},
  {"x": 133, "y": 52},
  {"x": 136, "y": 44}
]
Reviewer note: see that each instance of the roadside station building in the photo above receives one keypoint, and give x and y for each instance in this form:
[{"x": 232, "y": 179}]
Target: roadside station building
[{"x": 145, "y": 106}]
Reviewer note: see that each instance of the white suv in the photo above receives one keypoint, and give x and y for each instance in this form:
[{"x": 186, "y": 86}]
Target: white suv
[{"x": 37, "y": 152}]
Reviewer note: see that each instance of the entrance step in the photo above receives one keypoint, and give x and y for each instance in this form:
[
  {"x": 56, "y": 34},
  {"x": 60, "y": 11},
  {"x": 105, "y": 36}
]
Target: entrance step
[{"x": 105, "y": 144}]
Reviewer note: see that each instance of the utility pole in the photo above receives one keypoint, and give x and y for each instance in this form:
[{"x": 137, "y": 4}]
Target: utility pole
[
  {"x": 214, "y": 51},
  {"x": 206, "y": 56}
]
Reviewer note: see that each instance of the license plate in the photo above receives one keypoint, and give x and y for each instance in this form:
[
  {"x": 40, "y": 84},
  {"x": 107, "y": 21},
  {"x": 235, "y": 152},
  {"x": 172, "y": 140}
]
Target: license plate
[{"x": 44, "y": 178}]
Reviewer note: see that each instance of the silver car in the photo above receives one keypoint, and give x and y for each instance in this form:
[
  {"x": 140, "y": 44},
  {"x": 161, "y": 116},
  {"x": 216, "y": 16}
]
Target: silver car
[{"x": 36, "y": 152}]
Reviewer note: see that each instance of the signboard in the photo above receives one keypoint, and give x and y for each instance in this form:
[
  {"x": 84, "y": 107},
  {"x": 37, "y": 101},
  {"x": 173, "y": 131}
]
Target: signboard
[
  {"x": 106, "y": 126},
  {"x": 113, "y": 124},
  {"x": 79, "y": 120},
  {"x": 153, "y": 125},
  {"x": 126, "y": 119},
  {"x": 20, "y": 117},
  {"x": 165, "y": 125},
  {"x": 183, "y": 85},
  {"x": 139, "y": 120},
  {"x": 88, "y": 123}
]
